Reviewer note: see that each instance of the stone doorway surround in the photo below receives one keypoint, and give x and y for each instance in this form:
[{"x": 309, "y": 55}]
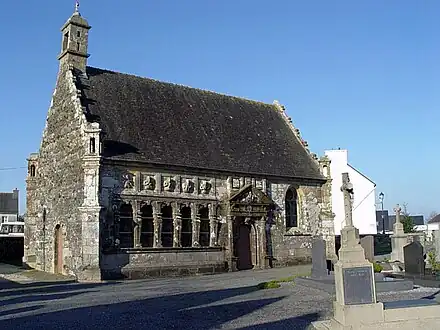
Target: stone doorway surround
[{"x": 247, "y": 216}]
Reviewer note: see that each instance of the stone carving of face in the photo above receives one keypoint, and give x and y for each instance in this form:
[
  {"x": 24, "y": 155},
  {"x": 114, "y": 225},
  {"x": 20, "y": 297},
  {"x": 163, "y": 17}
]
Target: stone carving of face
[
  {"x": 187, "y": 186},
  {"x": 149, "y": 183},
  {"x": 128, "y": 179},
  {"x": 205, "y": 186},
  {"x": 169, "y": 184}
]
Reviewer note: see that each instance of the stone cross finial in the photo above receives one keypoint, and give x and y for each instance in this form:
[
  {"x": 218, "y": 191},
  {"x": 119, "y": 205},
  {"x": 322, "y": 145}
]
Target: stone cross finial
[
  {"x": 76, "y": 6},
  {"x": 397, "y": 209},
  {"x": 347, "y": 190}
]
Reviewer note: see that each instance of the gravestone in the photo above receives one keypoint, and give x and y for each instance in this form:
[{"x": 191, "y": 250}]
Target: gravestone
[
  {"x": 399, "y": 239},
  {"x": 414, "y": 259},
  {"x": 367, "y": 244},
  {"x": 319, "y": 259}
]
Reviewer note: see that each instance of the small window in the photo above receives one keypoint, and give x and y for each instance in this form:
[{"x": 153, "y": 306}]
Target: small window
[
  {"x": 291, "y": 208},
  {"x": 32, "y": 170},
  {"x": 92, "y": 147},
  {"x": 77, "y": 46},
  {"x": 65, "y": 40},
  {"x": 78, "y": 34}
]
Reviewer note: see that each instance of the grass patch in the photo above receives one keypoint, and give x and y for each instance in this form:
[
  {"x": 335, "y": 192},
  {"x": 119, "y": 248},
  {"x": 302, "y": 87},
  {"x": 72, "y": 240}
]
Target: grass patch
[
  {"x": 269, "y": 285},
  {"x": 274, "y": 284}
]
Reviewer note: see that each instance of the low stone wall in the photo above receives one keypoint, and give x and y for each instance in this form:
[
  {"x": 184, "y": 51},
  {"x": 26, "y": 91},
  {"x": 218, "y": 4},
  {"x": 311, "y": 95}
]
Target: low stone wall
[
  {"x": 158, "y": 262},
  {"x": 294, "y": 250}
]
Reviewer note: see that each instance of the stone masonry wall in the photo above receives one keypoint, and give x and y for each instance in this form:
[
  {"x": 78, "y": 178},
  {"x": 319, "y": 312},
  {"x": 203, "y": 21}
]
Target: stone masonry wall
[
  {"x": 58, "y": 183},
  {"x": 287, "y": 247}
]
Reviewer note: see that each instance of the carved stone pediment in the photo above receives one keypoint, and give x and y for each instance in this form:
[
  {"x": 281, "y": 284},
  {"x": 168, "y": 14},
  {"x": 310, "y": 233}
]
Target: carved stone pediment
[
  {"x": 169, "y": 183},
  {"x": 251, "y": 195}
]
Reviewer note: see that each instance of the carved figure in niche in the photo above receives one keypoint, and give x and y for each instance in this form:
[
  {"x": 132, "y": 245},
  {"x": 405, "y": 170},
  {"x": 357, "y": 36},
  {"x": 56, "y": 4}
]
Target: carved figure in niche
[
  {"x": 187, "y": 186},
  {"x": 149, "y": 183},
  {"x": 249, "y": 198},
  {"x": 248, "y": 221},
  {"x": 128, "y": 180},
  {"x": 169, "y": 184},
  {"x": 205, "y": 186},
  {"x": 236, "y": 183}
]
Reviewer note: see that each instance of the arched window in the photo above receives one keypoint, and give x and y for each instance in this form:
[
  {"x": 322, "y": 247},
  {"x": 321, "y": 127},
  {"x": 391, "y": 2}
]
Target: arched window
[
  {"x": 205, "y": 228},
  {"x": 126, "y": 226},
  {"x": 167, "y": 226},
  {"x": 147, "y": 226},
  {"x": 186, "y": 238},
  {"x": 32, "y": 170},
  {"x": 291, "y": 208}
]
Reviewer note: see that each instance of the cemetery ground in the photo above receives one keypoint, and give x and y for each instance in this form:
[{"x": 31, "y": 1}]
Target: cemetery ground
[{"x": 224, "y": 301}]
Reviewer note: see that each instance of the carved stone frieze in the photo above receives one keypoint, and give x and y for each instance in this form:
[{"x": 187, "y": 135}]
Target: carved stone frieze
[
  {"x": 149, "y": 182},
  {"x": 235, "y": 183},
  {"x": 205, "y": 186},
  {"x": 169, "y": 183},
  {"x": 187, "y": 185},
  {"x": 128, "y": 180}
]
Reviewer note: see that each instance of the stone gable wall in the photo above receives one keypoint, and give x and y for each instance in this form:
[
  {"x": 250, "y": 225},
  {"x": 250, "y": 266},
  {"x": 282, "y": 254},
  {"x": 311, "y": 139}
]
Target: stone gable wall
[{"x": 58, "y": 183}]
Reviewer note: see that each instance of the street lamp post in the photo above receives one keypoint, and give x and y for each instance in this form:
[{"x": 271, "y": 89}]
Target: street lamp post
[{"x": 381, "y": 196}]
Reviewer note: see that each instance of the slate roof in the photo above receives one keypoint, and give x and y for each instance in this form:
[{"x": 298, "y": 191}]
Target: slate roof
[
  {"x": 8, "y": 203},
  {"x": 436, "y": 219},
  {"x": 169, "y": 124}
]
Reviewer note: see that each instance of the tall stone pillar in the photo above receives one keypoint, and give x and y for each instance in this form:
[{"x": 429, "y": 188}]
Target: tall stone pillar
[
  {"x": 213, "y": 227},
  {"x": 137, "y": 219},
  {"x": 399, "y": 239},
  {"x": 157, "y": 223},
  {"x": 91, "y": 214},
  {"x": 177, "y": 225},
  {"x": 260, "y": 226},
  {"x": 230, "y": 257},
  {"x": 195, "y": 219}
]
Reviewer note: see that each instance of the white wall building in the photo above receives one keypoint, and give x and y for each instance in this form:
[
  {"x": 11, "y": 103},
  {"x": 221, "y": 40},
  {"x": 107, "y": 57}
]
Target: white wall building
[{"x": 364, "y": 204}]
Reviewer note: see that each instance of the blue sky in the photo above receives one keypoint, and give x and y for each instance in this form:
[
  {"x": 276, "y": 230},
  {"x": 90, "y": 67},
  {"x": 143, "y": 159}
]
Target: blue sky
[{"x": 359, "y": 75}]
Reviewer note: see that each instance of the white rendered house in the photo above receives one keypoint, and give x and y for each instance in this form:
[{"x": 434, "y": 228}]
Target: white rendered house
[{"x": 364, "y": 203}]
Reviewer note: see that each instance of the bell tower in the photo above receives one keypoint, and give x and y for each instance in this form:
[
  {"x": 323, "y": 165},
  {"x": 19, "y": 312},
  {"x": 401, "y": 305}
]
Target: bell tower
[{"x": 75, "y": 33}]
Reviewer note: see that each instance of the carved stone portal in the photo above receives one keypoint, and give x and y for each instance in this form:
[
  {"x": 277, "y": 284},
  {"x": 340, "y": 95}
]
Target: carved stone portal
[{"x": 149, "y": 183}]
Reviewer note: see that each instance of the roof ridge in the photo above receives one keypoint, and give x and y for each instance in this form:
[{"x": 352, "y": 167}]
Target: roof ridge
[{"x": 186, "y": 86}]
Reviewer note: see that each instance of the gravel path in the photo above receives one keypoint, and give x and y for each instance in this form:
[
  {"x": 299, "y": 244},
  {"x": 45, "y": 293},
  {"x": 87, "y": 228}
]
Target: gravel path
[{"x": 226, "y": 301}]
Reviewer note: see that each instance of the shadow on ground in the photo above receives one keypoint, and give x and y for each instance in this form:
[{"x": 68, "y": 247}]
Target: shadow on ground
[
  {"x": 200, "y": 310},
  {"x": 47, "y": 287}
]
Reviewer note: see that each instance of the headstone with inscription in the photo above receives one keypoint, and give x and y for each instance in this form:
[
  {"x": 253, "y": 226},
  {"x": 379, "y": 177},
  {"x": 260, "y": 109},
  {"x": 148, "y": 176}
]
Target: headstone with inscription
[
  {"x": 414, "y": 259},
  {"x": 367, "y": 244},
  {"x": 319, "y": 259}
]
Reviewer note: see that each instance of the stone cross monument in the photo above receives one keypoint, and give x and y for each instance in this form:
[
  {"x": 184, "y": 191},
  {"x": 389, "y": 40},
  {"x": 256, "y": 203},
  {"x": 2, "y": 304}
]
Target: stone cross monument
[
  {"x": 354, "y": 276},
  {"x": 398, "y": 226},
  {"x": 399, "y": 239}
]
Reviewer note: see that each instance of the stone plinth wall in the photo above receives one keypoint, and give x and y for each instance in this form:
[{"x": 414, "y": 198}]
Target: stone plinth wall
[
  {"x": 144, "y": 263},
  {"x": 293, "y": 250}
]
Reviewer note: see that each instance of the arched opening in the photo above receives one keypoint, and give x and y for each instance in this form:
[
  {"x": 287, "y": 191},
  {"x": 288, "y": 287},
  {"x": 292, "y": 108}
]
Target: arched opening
[
  {"x": 167, "y": 226},
  {"x": 291, "y": 208},
  {"x": 32, "y": 170},
  {"x": 325, "y": 170},
  {"x": 205, "y": 230},
  {"x": 92, "y": 146},
  {"x": 147, "y": 226},
  {"x": 126, "y": 226},
  {"x": 186, "y": 239},
  {"x": 58, "y": 250}
]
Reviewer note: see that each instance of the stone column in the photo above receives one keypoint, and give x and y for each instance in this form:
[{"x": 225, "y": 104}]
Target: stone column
[
  {"x": 177, "y": 225},
  {"x": 195, "y": 219},
  {"x": 230, "y": 243},
  {"x": 137, "y": 219},
  {"x": 157, "y": 223},
  {"x": 213, "y": 227},
  {"x": 260, "y": 226}
]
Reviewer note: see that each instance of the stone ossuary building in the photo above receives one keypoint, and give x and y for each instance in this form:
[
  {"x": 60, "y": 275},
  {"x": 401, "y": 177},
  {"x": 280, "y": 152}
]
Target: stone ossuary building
[{"x": 136, "y": 177}]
